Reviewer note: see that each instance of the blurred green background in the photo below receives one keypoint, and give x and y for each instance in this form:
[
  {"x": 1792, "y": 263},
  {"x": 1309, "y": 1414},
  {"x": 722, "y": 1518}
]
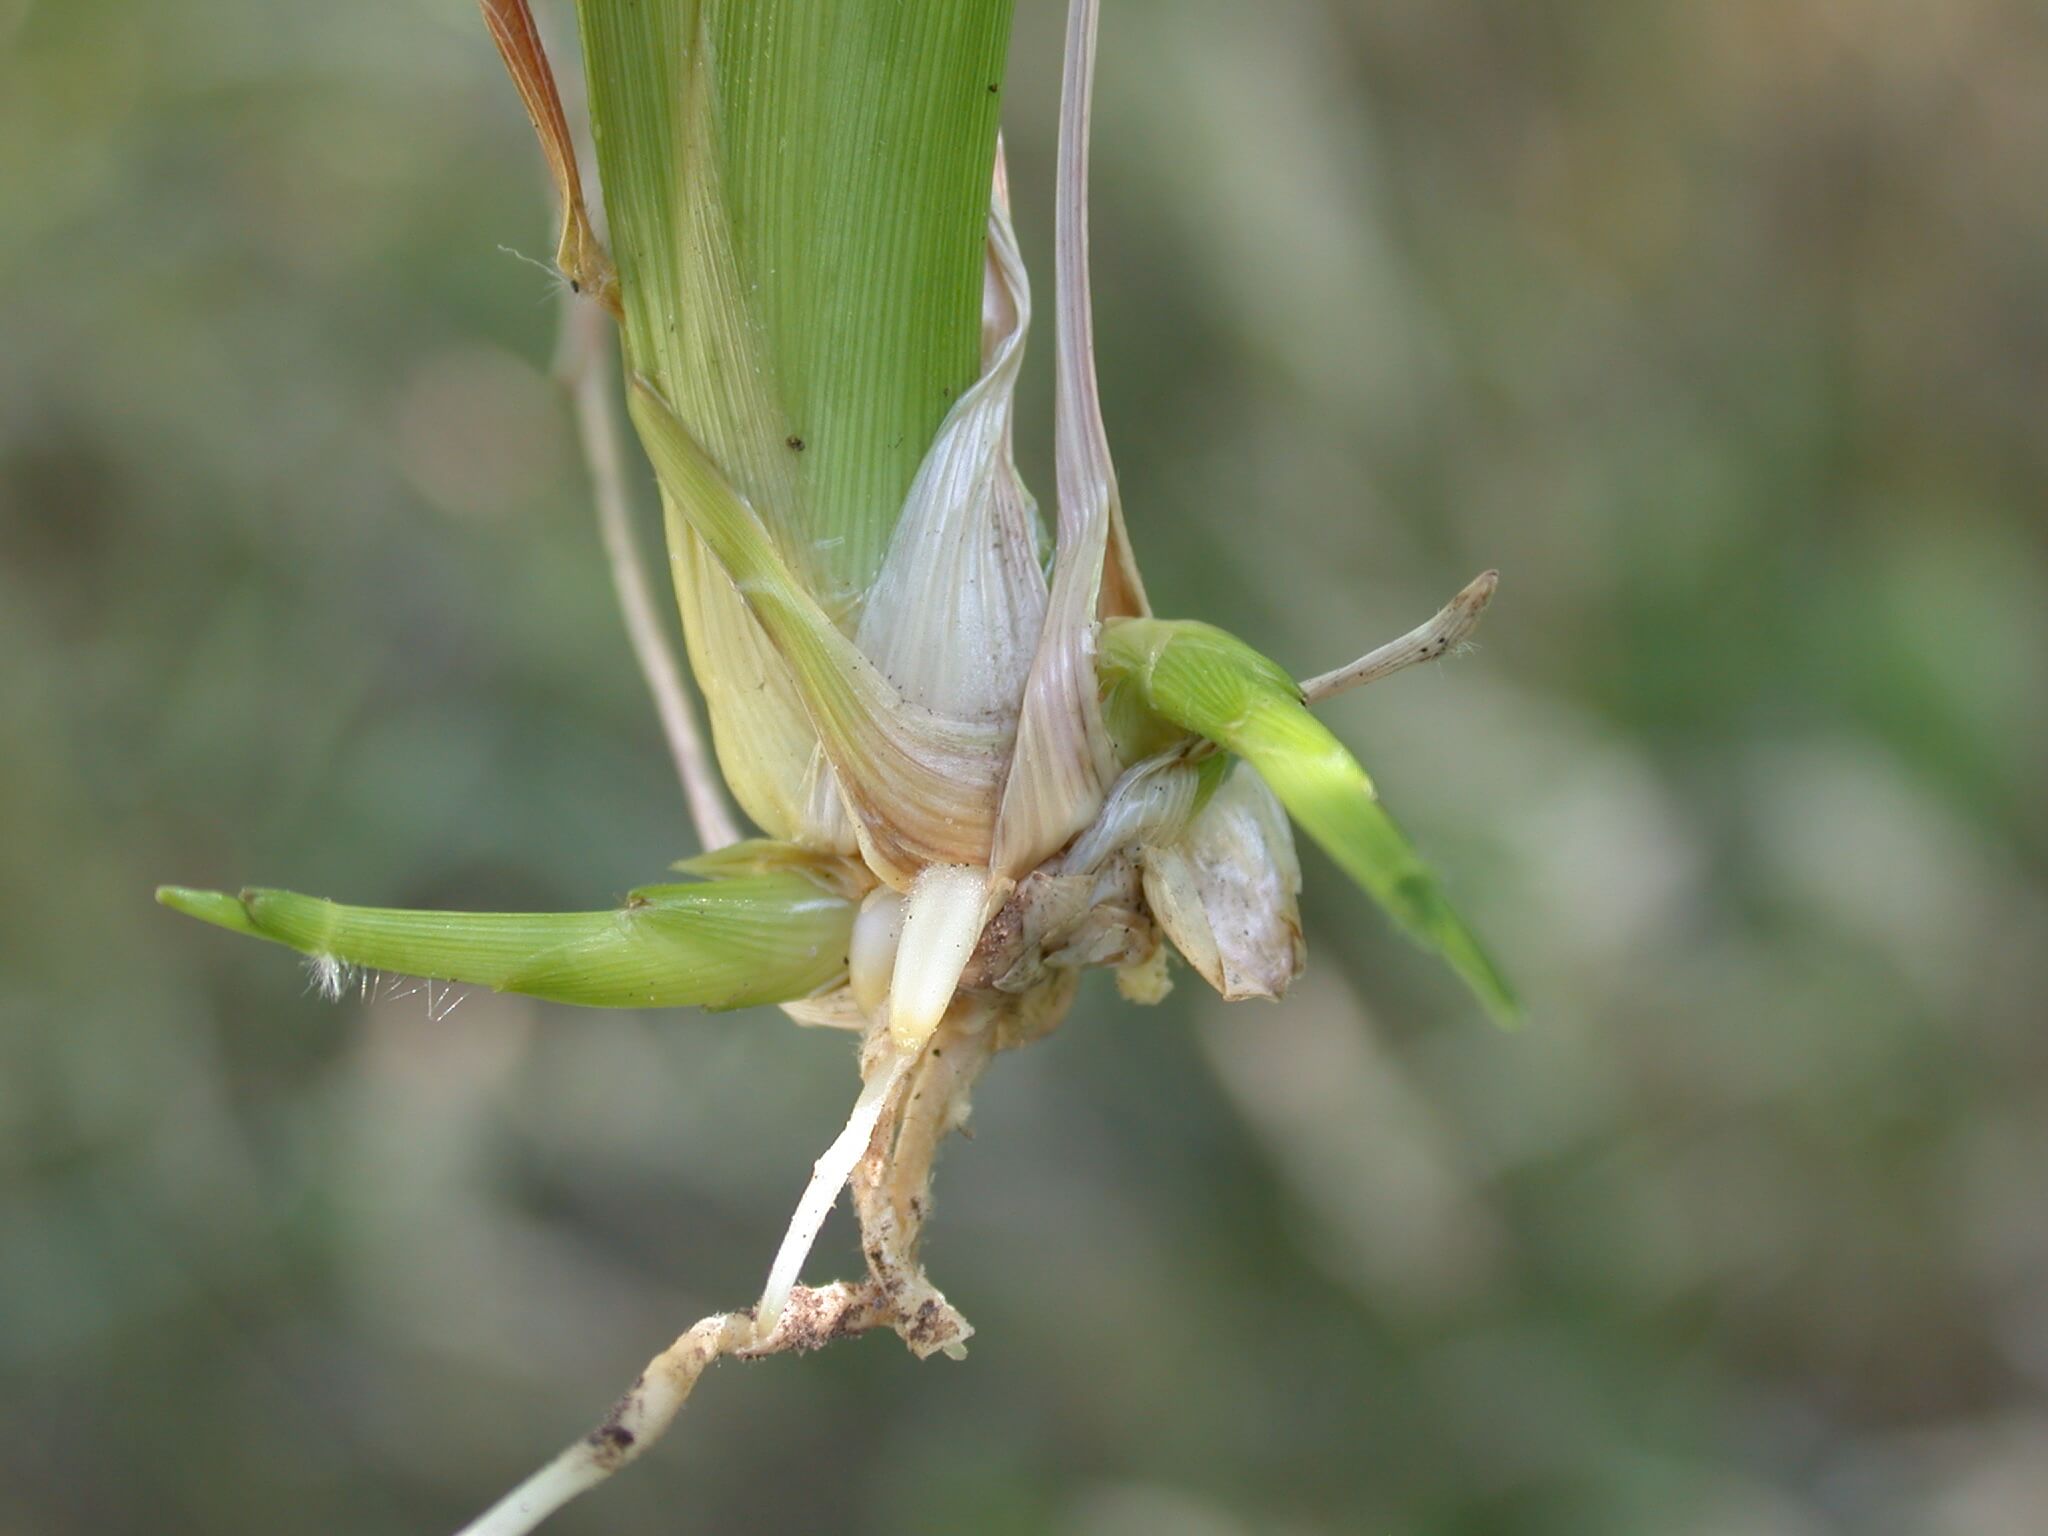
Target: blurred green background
[{"x": 1721, "y": 329}]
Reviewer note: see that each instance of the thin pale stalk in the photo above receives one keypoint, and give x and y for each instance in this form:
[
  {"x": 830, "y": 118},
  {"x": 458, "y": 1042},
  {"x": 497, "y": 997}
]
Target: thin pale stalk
[
  {"x": 1063, "y": 761},
  {"x": 1450, "y": 628},
  {"x": 585, "y": 354}
]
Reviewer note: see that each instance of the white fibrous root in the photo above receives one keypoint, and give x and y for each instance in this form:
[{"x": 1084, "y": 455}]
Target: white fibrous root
[
  {"x": 812, "y": 1319},
  {"x": 828, "y": 1177},
  {"x": 910, "y": 1103}
]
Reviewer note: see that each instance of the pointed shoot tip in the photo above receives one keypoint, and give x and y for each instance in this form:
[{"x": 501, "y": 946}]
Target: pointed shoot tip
[{"x": 216, "y": 907}]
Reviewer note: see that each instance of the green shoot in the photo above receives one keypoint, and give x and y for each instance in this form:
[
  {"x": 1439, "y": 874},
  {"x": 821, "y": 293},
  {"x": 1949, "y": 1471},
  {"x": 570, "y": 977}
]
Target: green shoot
[
  {"x": 1202, "y": 679},
  {"x": 723, "y": 944}
]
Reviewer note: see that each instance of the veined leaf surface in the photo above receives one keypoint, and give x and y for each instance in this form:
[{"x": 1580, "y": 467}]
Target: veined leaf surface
[
  {"x": 797, "y": 193},
  {"x": 718, "y": 944}
]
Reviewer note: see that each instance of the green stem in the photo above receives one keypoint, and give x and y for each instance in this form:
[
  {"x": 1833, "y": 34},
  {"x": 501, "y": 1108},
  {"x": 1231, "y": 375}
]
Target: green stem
[{"x": 723, "y": 944}]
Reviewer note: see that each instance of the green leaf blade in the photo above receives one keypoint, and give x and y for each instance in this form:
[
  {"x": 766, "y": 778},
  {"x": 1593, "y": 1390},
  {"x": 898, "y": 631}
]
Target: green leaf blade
[
  {"x": 860, "y": 143},
  {"x": 798, "y": 193},
  {"x": 723, "y": 944},
  {"x": 1202, "y": 679}
]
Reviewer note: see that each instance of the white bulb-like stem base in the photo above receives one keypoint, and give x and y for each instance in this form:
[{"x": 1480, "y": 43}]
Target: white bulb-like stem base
[
  {"x": 871, "y": 957},
  {"x": 941, "y": 921}
]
